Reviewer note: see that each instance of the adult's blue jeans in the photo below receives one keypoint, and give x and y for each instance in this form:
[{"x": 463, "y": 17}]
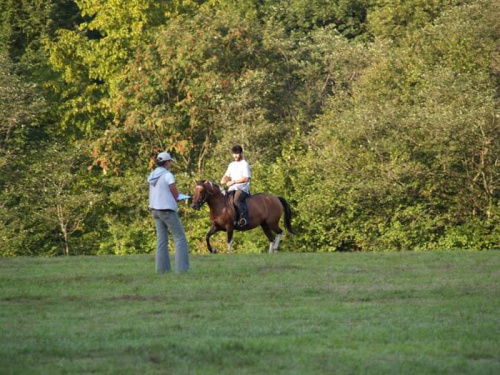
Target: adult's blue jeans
[{"x": 169, "y": 221}]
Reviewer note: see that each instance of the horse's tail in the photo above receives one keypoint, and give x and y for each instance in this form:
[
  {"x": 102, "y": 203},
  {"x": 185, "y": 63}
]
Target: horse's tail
[{"x": 288, "y": 214}]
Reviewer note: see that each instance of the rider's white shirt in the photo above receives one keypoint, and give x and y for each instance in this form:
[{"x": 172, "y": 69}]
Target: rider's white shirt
[{"x": 237, "y": 170}]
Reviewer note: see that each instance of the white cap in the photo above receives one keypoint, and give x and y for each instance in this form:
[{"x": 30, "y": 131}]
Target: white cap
[{"x": 164, "y": 156}]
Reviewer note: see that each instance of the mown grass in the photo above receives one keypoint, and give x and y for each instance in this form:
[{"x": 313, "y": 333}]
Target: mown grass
[{"x": 286, "y": 313}]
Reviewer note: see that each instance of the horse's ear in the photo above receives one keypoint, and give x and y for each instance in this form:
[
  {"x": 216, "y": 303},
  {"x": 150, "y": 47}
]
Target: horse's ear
[{"x": 198, "y": 182}]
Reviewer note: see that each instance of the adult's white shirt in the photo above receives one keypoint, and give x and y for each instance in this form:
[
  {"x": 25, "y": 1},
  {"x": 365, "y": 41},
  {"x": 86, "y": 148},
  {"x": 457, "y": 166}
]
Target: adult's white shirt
[{"x": 237, "y": 170}]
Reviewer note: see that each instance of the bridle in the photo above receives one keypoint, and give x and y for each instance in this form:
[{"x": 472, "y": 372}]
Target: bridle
[
  {"x": 202, "y": 201},
  {"x": 214, "y": 189}
]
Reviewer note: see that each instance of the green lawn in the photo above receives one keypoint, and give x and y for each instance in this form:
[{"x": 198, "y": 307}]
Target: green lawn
[{"x": 286, "y": 313}]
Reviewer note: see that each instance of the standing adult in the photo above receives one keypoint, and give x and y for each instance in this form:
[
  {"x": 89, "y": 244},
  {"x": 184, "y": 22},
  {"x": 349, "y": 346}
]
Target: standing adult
[
  {"x": 163, "y": 194},
  {"x": 237, "y": 178}
]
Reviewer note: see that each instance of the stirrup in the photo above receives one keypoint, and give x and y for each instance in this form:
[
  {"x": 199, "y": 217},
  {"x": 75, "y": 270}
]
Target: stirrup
[{"x": 242, "y": 222}]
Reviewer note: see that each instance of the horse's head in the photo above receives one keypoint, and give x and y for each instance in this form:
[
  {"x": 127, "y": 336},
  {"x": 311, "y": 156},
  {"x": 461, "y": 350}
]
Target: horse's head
[
  {"x": 203, "y": 190},
  {"x": 200, "y": 195}
]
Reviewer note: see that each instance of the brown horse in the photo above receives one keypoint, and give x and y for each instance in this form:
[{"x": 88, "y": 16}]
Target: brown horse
[{"x": 263, "y": 209}]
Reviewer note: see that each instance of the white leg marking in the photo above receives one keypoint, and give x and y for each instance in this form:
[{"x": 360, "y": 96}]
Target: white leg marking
[{"x": 277, "y": 242}]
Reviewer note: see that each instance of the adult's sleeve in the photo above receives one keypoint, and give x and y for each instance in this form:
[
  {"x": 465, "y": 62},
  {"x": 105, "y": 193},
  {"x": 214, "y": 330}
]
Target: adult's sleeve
[
  {"x": 248, "y": 172},
  {"x": 169, "y": 178}
]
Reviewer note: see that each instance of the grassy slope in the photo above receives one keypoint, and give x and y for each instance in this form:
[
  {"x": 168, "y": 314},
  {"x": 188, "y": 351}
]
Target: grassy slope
[{"x": 373, "y": 313}]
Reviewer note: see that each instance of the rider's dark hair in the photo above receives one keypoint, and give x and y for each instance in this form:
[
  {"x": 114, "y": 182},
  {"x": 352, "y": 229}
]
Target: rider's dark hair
[{"x": 237, "y": 149}]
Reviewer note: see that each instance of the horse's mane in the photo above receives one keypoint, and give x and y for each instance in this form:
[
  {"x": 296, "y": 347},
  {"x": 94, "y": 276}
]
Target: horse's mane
[
  {"x": 214, "y": 185},
  {"x": 218, "y": 190}
]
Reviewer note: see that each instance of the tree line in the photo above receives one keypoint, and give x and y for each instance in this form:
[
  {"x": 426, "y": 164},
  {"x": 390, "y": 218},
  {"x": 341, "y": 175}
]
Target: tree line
[{"x": 376, "y": 119}]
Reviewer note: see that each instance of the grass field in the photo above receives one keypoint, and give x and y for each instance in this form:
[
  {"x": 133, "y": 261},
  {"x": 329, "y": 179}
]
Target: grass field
[{"x": 286, "y": 313}]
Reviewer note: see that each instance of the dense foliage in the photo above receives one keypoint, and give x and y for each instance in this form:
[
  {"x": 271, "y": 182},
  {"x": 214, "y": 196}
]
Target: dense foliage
[{"x": 377, "y": 120}]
